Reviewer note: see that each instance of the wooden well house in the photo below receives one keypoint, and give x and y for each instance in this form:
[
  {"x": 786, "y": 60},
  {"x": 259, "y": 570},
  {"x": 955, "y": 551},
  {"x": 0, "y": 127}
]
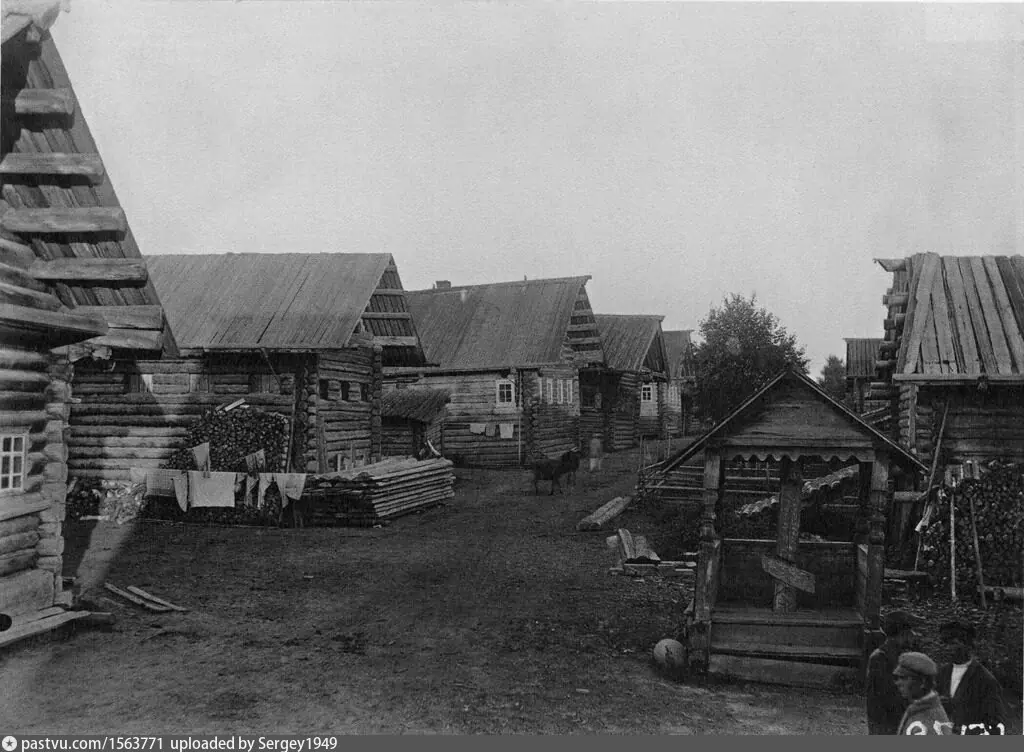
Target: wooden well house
[
  {"x": 951, "y": 366},
  {"x": 71, "y": 282},
  {"x": 508, "y": 354},
  {"x": 303, "y": 335},
  {"x": 623, "y": 398},
  {"x": 790, "y": 610},
  {"x": 678, "y": 389}
]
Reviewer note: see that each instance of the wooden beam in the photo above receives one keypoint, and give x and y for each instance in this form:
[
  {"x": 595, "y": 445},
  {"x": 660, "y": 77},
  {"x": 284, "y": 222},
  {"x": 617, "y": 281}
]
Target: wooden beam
[
  {"x": 130, "y": 339},
  {"x": 53, "y": 220},
  {"x": 128, "y": 317},
  {"x": 15, "y": 275},
  {"x": 61, "y": 324},
  {"x": 396, "y": 341},
  {"x": 116, "y": 271},
  {"x": 893, "y": 265},
  {"x": 788, "y": 574},
  {"x": 584, "y": 340},
  {"x": 960, "y": 378},
  {"x": 387, "y": 291},
  {"x": 896, "y": 299},
  {"x": 42, "y": 102},
  {"x": 78, "y": 165},
  {"x": 386, "y": 316},
  {"x": 16, "y": 254},
  {"x": 22, "y": 296}
]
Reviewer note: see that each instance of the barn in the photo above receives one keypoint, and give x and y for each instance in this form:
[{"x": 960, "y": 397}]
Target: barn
[
  {"x": 303, "y": 335},
  {"x": 508, "y": 354},
  {"x": 633, "y": 399},
  {"x": 72, "y": 283},
  {"x": 678, "y": 389}
]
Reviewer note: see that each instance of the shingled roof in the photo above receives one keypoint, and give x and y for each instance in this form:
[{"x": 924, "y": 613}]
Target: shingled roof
[
  {"x": 957, "y": 317},
  {"x": 501, "y": 325},
  {"x": 632, "y": 342},
  {"x": 240, "y": 301},
  {"x": 60, "y": 219}
]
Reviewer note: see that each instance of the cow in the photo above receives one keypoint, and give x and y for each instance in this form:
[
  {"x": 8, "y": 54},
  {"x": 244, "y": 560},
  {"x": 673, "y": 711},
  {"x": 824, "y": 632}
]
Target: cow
[{"x": 553, "y": 470}]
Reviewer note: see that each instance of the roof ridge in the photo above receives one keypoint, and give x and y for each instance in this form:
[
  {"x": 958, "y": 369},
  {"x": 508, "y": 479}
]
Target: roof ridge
[{"x": 540, "y": 280}]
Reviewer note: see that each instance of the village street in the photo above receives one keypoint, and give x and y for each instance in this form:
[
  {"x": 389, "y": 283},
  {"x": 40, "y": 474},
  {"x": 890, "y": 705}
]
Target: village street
[{"x": 488, "y": 615}]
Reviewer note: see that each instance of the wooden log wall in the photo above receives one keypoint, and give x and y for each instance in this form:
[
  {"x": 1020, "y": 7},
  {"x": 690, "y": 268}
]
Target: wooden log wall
[
  {"x": 473, "y": 401},
  {"x": 554, "y": 426},
  {"x": 113, "y": 430},
  {"x": 398, "y": 437},
  {"x": 349, "y": 426},
  {"x": 31, "y": 542},
  {"x": 981, "y": 426},
  {"x": 623, "y": 430}
]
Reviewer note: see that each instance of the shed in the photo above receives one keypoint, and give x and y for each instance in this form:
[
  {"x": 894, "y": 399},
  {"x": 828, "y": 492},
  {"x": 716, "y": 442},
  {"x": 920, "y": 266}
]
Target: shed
[
  {"x": 861, "y": 361},
  {"x": 681, "y": 380},
  {"x": 298, "y": 334},
  {"x": 509, "y": 354},
  {"x": 411, "y": 418},
  {"x": 624, "y": 398},
  {"x": 71, "y": 281},
  {"x": 789, "y": 610}
]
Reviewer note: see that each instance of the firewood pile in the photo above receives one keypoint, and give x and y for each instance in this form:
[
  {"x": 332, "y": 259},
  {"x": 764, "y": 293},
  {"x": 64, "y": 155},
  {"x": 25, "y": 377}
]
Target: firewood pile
[
  {"x": 367, "y": 495},
  {"x": 232, "y": 435},
  {"x": 998, "y": 501}
]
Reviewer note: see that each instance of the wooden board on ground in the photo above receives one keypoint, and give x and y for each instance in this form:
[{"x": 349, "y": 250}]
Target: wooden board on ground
[
  {"x": 149, "y": 605},
  {"x": 159, "y": 601},
  {"x": 788, "y": 673},
  {"x": 604, "y": 514},
  {"x": 39, "y": 626},
  {"x": 788, "y": 574}
]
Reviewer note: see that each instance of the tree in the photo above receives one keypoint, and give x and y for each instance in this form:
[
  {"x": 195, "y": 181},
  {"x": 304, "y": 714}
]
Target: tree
[
  {"x": 743, "y": 347},
  {"x": 833, "y": 378}
]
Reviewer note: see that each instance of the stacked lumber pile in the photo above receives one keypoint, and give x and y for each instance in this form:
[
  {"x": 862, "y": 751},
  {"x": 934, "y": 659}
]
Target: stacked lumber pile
[
  {"x": 997, "y": 498},
  {"x": 370, "y": 494}
]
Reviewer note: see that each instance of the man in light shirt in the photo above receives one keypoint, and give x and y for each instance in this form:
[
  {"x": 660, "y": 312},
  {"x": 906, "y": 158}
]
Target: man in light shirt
[{"x": 970, "y": 693}]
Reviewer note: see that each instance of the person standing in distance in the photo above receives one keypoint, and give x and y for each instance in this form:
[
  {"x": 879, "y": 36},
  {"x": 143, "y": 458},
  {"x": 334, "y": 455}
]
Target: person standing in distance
[
  {"x": 885, "y": 706},
  {"x": 915, "y": 679},
  {"x": 971, "y": 694}
]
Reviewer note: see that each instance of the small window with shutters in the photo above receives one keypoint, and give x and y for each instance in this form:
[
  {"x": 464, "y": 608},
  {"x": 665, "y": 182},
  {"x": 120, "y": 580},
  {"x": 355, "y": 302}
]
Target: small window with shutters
[{"x": 12, "y": 461}]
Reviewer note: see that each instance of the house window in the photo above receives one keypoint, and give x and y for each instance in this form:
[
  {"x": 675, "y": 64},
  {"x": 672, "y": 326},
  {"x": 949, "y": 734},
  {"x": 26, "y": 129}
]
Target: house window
[
  {"x": 262, "y": 383},
  {"x": 568, "y": 391},
  {"x": 505, "y": 393},
  {"x": 138, "y": 383},
  {"x": 364, "y": 392},
  {"x": 324, "y": 389},
  {"x": 345, "y": 391},
  {"x": 549, "y": 390},
  {"x": 647, "y": 393},
  {"x": 12, "y": 461},
  {"x": 199, "y": 382}
]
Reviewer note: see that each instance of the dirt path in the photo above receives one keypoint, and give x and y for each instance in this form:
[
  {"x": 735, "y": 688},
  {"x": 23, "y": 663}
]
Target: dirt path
[{"x": 490, "y": 615}]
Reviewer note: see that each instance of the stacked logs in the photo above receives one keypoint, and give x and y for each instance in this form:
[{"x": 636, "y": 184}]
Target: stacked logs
[
  {"x": 368, "y": 495},
  {"x": 232, "y": 435},
  {"x": 998, "y": 498}
]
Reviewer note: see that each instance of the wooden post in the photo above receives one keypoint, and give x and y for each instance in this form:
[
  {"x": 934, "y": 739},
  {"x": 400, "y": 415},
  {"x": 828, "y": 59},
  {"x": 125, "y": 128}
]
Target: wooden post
[
  {"x": 977, "y": 554},
  {"x": 876, "y": 540},
  {"x": 788, "y": 529},
  {"x": 952, "y": 547},
  {"x": 706, "y": 585}
]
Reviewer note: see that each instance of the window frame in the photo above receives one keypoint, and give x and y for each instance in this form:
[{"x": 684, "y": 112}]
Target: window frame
[
  {"x": 647, "y": 389},
  {"x": 14, "y": 458},
  {"x": 510, "y": 403}
]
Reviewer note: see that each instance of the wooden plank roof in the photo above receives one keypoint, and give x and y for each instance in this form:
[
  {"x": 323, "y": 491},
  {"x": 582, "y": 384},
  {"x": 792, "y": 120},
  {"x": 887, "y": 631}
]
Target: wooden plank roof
[
  {"x": 239, "y": 301},
  {"x": 632, "y": 341},
  {"x": 962, "y": 317},
  {"x": 58, "y": 209},
  {"x": 791, "y": 416},
  {"x": 414, "y": 403},
  {"x": 498, "y": 325},
  {"x": 861, "y": 356},
  {"x": 679, "y": 352}
]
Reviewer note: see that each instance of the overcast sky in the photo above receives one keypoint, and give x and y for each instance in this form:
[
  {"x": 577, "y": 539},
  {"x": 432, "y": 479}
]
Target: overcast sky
[{"x": 676, "y": 152}]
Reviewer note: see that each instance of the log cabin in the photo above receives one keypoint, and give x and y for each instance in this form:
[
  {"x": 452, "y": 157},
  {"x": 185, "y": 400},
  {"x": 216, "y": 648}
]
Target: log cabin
[
  {"x": 72, "y": 285},
  {"x": 678, "y": 389},
  {"x": 304, "y": 335},
  {"x": 790, "y": 610},
  {"x": 951, "y": 365},
  {"x": 861, "y": 359},
  {"x": 509, "y": 354},
  {"x": 632, "y": 402}
]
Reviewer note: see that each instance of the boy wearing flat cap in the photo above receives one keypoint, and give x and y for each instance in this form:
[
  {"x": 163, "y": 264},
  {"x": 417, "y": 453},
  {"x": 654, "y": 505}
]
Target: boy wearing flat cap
[
  {"x": 885, "y": 705},
  {"x": 971, "y": 694},
  {"x": 915, "y": 678}
]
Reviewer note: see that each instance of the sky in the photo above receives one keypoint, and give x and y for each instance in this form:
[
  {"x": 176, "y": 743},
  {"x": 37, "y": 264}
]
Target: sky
[{"x": 676, "y": 152}]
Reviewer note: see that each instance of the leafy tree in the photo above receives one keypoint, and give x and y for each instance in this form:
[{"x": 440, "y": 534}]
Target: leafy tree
[
  {"x": 833, "y": 378},
  {"x": 743, "y": 347}
]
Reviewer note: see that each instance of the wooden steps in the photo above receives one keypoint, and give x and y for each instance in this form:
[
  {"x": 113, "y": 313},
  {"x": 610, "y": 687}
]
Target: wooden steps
[
  {"x": 787, "y": 673},
  {"x": 810, "y": 653}
]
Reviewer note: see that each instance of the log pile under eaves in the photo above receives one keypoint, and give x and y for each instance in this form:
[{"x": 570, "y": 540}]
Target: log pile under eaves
[{"x": 367, "y": 495}]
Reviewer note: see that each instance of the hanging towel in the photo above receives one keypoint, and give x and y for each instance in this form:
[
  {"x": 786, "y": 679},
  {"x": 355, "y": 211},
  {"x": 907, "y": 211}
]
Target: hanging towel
[
  {"x": 239, "y": 478},
  {"x": 477, "y": 427},
  {"x": 181, "y": 490},
  {"x": 202, "y": 456},
  {"x": 489, "y": 429},
  {"x": 506, "y": 430},
  {"x": 251, "y": 481},
  {"x": 256, "y": 462},
  {"x": 290, "y": 485},
  {"x": 211, "y": 490},
  {"x": 265, "y": 480}
]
